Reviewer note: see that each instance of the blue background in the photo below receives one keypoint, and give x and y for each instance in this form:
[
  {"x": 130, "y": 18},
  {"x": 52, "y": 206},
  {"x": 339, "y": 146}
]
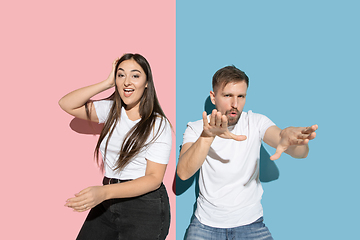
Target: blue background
[{"x": 302, "y": 58}]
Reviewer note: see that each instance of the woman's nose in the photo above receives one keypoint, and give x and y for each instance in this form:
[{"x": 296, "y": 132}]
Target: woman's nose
[{"x": 127, "y": 81}]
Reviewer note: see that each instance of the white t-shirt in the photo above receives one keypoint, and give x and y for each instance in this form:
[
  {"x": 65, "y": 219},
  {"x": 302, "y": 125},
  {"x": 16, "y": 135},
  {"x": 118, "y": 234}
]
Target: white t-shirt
[
  {"x": 230, "y": 191},
  {"x": 158, "y": 151}
]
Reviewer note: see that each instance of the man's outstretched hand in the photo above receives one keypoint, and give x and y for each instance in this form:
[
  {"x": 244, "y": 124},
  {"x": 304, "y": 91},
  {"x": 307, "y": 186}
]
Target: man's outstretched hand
[
  {"x": 292, "y": 136},
  {"x": 218, "y": 126}
]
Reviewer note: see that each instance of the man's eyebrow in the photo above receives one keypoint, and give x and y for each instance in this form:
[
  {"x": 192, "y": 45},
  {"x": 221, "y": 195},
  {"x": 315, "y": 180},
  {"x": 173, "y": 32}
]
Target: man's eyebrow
[
  {"x": 134, "y": 70},
  {"x": 228, "y": 93}
]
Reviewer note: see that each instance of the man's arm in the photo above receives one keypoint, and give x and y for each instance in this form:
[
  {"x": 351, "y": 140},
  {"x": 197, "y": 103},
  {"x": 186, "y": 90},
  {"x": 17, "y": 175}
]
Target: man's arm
[
  {"x": 291, "y": 140},
  {"x": 192, "y": 155}
]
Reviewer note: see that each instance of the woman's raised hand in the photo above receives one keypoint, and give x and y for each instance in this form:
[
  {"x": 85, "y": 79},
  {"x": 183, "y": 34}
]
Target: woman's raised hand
[
  {"x": 111, "y": 78},
  {"x": 74, "y": 102}
]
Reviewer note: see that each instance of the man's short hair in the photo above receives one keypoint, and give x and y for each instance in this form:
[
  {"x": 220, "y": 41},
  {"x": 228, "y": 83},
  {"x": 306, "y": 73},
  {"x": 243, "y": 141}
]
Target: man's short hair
[{"x": 228, "y": 74}]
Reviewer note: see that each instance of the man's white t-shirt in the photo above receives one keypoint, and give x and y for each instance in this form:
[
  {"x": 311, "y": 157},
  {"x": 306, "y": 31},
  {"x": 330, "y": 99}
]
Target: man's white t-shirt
[
  {"x": 158, "y": 151},
  {"x": 230, "y": 190}
]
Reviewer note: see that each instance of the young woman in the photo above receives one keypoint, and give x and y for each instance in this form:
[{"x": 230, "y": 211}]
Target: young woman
[{"x": 135, "y": 145}]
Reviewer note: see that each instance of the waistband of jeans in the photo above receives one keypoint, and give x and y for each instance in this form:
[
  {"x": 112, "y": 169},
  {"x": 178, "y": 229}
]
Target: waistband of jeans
[{"x": 107, "y": 180}]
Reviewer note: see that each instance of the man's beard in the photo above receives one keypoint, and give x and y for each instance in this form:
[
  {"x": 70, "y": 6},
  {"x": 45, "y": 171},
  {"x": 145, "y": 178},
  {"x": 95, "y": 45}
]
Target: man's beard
[{"x": 232, "y": 120}]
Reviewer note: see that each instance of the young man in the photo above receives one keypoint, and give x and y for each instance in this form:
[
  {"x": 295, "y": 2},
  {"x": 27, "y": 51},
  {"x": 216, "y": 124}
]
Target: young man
[{"x": 225, "y": 146}]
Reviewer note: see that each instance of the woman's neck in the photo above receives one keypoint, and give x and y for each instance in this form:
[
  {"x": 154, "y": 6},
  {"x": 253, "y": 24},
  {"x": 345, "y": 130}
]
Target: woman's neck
[{"x": 133, "y": 113}]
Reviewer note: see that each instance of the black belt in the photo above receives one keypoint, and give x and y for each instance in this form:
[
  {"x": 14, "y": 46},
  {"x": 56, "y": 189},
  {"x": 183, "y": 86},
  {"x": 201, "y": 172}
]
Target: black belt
[{"x": 107, "y": 180}]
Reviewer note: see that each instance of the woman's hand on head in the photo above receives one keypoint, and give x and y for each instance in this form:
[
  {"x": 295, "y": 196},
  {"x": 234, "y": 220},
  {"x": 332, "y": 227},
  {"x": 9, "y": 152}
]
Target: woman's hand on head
[
  {"x": 111, "y": 78},
  {"x": 86, "y": 199}
]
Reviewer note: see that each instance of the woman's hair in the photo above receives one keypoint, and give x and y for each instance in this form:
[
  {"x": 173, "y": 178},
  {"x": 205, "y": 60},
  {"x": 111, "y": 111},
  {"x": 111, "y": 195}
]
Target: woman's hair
[{"x": 149, "y": 110}]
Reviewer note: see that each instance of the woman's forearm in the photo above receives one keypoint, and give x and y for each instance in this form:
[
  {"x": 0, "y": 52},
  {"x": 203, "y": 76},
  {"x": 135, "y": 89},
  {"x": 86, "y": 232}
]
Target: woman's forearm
[
  {"x": 132, "y": 188},
  {"x": 73, "y": 102},
  {"x": 79, "y": 97}
]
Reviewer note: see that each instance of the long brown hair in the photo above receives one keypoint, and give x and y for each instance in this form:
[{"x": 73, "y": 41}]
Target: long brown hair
[{"x": 149, "y": 110}]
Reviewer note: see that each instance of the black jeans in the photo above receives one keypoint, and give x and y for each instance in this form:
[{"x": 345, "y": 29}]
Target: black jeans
[{"x": 139, "y": 218}]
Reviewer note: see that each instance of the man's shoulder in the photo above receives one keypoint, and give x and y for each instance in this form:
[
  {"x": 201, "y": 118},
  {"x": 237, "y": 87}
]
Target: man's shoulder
[
  {"x": 196, "y": 124},
  {"x": 192, "y": 131},
  {"x": 194, "y": 128},
  {"x": 250, "y": 115},
  {"x": 256, "y": 121}
]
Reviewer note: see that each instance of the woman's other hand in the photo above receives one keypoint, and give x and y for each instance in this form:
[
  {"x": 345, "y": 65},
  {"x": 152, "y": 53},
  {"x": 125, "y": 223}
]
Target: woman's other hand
[{"x": 86, "y": 199}]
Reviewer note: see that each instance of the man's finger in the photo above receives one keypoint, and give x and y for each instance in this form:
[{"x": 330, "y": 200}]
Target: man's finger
[
  {"x": 224, "y": 121},
  {"x": 275, "y": 156},
  {"x": 310, "y": 130},
  {"x": 218, "y": 119},
  {"x": 279, "y": 150},
  {"x": 238, "y": 137},
  {"x": 303, "y": 136},
  {"x": 312, "y": 136},
  {"x": 299, "y": 141},
  {"x": 212, "y": 117},
  {"x": 205, "y": 120}
]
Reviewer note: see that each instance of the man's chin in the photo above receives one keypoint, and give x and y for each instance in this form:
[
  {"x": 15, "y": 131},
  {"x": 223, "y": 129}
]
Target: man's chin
[{"x": 233, "y": 120}]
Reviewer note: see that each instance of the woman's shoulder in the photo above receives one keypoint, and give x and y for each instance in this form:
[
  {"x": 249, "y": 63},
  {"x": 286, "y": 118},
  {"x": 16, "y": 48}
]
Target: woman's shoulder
[
  {"x": 103, "y": 103},
  {"x": 102, "y": 108},
  {"x": 159, "y": 119},
  {"x": 162, "y": 123}
]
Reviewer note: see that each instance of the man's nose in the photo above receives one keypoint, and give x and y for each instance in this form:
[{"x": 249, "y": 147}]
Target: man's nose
[{"x": 234, "y": 102}]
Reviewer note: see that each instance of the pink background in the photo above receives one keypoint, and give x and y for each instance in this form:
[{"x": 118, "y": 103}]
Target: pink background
[{"x": 48, "y": 49}]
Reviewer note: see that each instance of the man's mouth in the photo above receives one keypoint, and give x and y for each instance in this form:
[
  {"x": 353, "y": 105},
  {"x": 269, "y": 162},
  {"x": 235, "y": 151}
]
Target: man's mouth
[
  {"x": 233, "y": 113},
  {"x": 233, "y": 116}
]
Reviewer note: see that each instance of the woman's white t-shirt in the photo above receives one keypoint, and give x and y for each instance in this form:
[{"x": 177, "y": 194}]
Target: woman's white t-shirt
[{"x": 157, "y": 151}]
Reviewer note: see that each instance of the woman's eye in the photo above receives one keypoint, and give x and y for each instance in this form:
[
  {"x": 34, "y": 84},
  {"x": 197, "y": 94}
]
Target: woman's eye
[
  {"x": 136, "y": 76},
  {"x": 120, "y": 75}
]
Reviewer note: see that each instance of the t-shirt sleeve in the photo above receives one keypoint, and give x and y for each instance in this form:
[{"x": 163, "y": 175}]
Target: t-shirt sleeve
[
  {"x": 159, "y": 150},
  {"x": 102, "y": 109},
  {"x": 263, "y": 123},
  {"x": 190, "y": 134}
]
